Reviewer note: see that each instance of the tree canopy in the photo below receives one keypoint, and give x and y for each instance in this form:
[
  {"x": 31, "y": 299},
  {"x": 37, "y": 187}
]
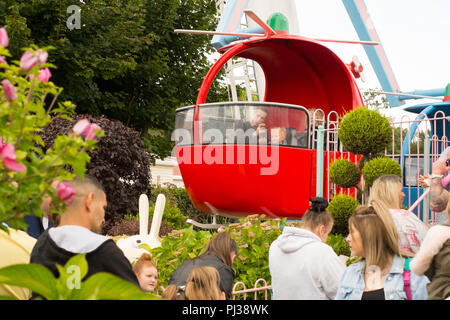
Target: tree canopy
[{"x": 125, "y": 61}]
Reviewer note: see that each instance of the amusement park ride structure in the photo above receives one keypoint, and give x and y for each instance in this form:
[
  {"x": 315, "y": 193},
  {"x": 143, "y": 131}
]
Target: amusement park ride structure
[{"x": 225, "y": 175}]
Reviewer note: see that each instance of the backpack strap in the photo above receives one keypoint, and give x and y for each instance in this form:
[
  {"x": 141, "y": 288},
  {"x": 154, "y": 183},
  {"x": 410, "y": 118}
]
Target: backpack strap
[{"x": 407, "y": 279}]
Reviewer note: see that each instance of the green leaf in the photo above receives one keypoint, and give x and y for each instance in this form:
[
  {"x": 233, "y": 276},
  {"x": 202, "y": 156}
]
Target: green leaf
[
  {"x": 105, "y": 286},
  {"x": 71, "y": 274},
  {"x": 33, "y": 276}
]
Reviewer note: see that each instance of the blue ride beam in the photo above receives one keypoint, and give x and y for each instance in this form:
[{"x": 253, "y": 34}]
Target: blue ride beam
[{"x": 360, "y": 18}]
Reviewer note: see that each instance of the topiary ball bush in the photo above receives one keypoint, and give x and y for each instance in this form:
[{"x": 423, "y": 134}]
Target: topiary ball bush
[
  {"x": 342, "y": 207},
  {"x": 120, "y": 162},
  {"x": 377, "y": 167},
  {"x": 364, "y": 131},
  {"x": 344, "y": 173}
]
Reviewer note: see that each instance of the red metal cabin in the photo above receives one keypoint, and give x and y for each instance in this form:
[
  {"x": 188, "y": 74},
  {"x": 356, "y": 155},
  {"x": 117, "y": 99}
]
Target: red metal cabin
[{"x": 228, "y": 176}]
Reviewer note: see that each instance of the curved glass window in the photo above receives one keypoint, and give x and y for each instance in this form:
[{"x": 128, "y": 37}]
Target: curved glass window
[
  {"x": 184, "y": 127},
  {"x": 248, "y": 123}
]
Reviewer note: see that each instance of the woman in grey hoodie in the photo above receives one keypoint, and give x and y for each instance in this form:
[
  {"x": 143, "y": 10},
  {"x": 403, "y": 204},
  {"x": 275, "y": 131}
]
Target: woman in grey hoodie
[{"x": 302, "y": 265}]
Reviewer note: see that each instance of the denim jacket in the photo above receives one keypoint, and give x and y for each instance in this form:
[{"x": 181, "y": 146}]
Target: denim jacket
[{"x": 352, "y": 283}]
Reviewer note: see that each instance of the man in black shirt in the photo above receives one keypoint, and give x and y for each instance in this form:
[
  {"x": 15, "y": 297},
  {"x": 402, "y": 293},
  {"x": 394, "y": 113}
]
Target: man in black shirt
[{"x": 78, "y": 233}]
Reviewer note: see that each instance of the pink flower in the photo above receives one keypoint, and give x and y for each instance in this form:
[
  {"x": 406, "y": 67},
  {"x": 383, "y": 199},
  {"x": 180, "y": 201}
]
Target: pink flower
[
  {"x": 65, "y": 191},
  {"x": 4, "y": 39},
  {"x": 3, "y": 60},
  {"x": 41, "y": 57},
  {"x": 8, "y": 156},
  {"x": 44, "y": 75},
  {"x": 9, "y": 91},
  {"x": 28, "y": 61},
  {"x": 86, "y": 129},
  {"x": 81, "y": 127},
  {"x": 92, "y": 134}
]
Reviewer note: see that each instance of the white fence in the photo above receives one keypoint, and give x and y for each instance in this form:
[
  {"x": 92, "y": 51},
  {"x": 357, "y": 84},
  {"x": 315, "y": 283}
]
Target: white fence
[{"x": 416, "y": 143}]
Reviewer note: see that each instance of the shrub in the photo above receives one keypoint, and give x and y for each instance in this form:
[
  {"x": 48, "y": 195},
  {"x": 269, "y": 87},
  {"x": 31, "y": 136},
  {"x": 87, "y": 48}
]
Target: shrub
[
  {"x": 341, "y": 207},
  {"x": 377, "y": 167},
  {"x": 366, "y": 132},
  {"x": 26, "y": 170},
  {"x": 176, "y": 247},
  {"x": 131, "y": 227},
  {"x": 339, "y": 245},
  {"x": 172, "y": 216},
  {"x": 252, "y": 234},
  {"x": 179, "y": 197},
  {"x": 120, "y": 163},
  {"x": 344, "y": 173}
]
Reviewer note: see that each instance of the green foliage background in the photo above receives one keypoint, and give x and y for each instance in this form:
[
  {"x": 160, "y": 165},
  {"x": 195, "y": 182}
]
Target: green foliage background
[{"x": 125, "y": 62}]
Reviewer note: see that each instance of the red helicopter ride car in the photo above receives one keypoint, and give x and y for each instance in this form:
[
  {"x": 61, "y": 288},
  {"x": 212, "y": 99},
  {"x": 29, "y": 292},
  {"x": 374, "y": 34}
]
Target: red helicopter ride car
[{"x": 243, "y": 158}]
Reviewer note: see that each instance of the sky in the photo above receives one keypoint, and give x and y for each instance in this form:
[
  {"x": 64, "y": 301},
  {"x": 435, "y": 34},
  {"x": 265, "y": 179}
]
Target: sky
[{"x": 415, "y": 35}]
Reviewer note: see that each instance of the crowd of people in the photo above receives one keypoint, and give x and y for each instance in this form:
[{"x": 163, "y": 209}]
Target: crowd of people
[{"x": 398, "y": 256}]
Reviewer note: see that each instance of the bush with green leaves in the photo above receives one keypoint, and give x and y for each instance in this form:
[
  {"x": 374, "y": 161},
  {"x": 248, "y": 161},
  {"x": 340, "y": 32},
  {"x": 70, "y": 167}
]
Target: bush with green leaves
[
  {"x": 252, "y": 234},
  {"x": 339, "y": 244},
  {"x": 172, "y": 216},
  {"x": 69, "y": 285},
  {"x": 176, "y": 247},
  {"x": 377, "y": 167},
  {"x": 27, "y": 169},
  {"x": 344, "y": 173},
  {"x": 341, "y": 207},
  {"x": 179, "y": 197},
  {"x": 366, "y": 132}
]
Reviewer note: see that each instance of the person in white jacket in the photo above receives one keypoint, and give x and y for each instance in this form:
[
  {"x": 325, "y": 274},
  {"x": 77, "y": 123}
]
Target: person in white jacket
[{"x": 302, "y": 265}]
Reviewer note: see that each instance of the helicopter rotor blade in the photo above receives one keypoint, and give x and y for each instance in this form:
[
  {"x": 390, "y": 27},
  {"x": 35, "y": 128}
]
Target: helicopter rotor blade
[
  {"x": 249, "y": 35},
  {"x": 252, "y": 15}
]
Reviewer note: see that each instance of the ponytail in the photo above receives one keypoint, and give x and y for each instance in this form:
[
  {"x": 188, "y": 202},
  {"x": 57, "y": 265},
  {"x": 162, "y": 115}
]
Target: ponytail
[{"x": 318, "y": 214}]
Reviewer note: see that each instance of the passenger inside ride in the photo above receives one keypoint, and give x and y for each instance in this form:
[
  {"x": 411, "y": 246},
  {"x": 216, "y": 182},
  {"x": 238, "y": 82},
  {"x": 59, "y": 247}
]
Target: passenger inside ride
[
  {"x": 256, "y": 124},
  {"x": 278, "y": 136}
]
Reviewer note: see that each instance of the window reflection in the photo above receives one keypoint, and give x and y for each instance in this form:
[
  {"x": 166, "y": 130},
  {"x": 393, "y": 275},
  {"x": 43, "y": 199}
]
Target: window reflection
[{"x": 254, "y": 123}]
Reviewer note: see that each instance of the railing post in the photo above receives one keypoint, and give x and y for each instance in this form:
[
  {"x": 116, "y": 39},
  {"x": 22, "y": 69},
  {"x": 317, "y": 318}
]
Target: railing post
[
  {"x": 426, "y": 166},
  {"x": 319, "y": 169}
]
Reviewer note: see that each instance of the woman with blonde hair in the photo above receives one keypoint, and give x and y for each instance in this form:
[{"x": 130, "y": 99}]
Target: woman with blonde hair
[
  {"x": 387, "y": 189},
  {"x": 146, "y": 272},
  {"x": 381, "y": 273},
  {"x": 203, "y": 284}
]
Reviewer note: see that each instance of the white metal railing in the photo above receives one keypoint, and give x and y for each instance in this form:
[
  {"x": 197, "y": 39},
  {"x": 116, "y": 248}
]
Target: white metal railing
[{"x": 423, "y": 147}]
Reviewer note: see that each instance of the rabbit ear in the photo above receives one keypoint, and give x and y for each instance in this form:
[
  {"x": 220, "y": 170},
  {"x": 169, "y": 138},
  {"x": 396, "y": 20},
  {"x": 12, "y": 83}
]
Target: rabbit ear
[
  {"x": 157, "y": 217},
  {"x": 143, "y": 215}
]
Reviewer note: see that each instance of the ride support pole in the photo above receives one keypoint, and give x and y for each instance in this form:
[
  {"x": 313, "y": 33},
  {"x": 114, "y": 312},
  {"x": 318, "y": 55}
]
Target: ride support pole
[{"x": 319, "y": 170}]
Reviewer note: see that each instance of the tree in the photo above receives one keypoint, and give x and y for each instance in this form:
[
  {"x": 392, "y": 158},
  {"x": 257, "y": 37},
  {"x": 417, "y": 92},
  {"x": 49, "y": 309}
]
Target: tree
[
  {"x": 364, "y": 132},
  {"x": 125, "y": 62}
]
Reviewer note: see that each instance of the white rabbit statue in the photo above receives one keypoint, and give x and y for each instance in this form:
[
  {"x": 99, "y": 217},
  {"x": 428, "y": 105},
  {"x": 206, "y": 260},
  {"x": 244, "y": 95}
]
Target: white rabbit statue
[{"x": 131, "y": 245}]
